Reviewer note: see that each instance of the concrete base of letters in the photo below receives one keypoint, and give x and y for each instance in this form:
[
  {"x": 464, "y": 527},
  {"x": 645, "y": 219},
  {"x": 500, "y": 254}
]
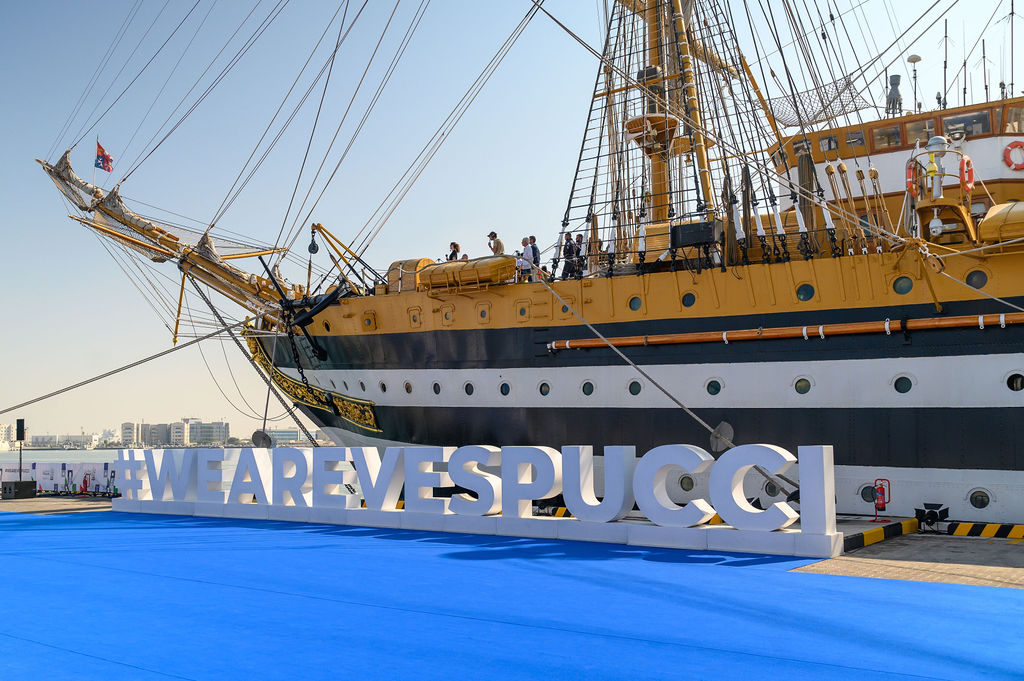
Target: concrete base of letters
[{"x": 790, "y": 541}]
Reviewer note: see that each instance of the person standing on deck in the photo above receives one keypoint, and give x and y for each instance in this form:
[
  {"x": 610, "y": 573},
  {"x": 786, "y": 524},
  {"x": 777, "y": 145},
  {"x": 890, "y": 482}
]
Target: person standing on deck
[
  {"x": 569, "y": 255},
  {"x": 494, "y": 243},
  {"x": 536, "y": 253},
  {"x": 454, "y": 255},
  {"x": 525, "y": 263}
]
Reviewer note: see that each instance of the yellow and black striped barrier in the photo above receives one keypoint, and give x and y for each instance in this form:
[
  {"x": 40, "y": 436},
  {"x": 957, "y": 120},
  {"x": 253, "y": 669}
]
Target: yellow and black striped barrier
[
  {"x": 877, "y": 534},
  {"x": 995, "y": 530}
]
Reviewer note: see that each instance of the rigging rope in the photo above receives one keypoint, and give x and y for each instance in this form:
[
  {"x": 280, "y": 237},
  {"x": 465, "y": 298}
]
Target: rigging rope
[
  {"x": 426, "y": 154},
  {"x": 399, "y": 53},
  {"x": 141, "y": 71},
  {"x": 660, "y": 387},
  {"x": 260, "y": 30},
  {"x": 120, "y": 369},
  {"x": 231, "y": 194},
  {"x": 118, "y": 36}
]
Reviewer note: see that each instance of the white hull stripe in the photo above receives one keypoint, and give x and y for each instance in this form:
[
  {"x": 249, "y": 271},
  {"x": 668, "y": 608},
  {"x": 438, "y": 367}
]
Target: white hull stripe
[{"x": 942, "y": 382}]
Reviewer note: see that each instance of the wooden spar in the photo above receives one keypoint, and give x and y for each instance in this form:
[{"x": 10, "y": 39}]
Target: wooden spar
[
  {"x": 177, "y": 317},
  {"x": 254, "y": 254},
  {"x": 693, "y": 112},
  {"x": 820, "y": 330},
  {"x": 760, "y": 98},
  {"x": 123, "y": 237}
]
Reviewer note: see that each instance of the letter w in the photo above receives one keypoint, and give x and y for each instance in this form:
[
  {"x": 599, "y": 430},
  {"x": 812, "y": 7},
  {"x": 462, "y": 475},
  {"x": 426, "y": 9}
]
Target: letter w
[{"x": 178, "y": 477}]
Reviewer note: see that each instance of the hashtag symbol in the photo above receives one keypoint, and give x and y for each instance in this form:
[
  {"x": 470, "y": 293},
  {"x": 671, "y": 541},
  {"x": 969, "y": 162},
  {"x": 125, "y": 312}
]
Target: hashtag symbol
[{"x": 129, "y": 472}]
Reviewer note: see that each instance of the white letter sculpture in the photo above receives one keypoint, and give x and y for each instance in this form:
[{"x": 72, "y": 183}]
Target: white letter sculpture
[
  {"x": 578, "y": 483},
  {"x": 726, "y": 485},
  {"x": 520, "y": 487},
  {"x": 464, "y": 471},
  {"x": 651, "y": 490}
]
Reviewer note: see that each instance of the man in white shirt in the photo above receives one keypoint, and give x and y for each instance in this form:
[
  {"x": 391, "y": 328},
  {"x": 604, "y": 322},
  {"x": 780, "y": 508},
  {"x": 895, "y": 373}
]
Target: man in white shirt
[{"x": 525, "y": 261}]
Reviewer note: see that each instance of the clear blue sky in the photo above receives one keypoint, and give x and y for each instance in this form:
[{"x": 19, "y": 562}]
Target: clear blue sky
[{"x": 69, "y": 313}]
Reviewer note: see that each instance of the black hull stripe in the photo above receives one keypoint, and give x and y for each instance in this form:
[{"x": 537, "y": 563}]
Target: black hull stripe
[
  {"x": 527, "y": 346},
  {"x": 918, "y": 437}
]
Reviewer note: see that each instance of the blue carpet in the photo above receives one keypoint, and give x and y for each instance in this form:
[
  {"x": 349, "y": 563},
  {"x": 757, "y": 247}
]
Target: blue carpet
[{"x": 122, "y": 596}]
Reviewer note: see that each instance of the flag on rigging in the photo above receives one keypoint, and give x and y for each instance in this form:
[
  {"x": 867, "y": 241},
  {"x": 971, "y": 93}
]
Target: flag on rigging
[{"x": 104, "y": 161}]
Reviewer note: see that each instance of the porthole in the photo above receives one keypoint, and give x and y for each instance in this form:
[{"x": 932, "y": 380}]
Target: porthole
[
  {"x": 979, "y": 498},
  {"x": 685, "y": 483},
  {"x": 362, "y": 386},
  {"x": 483, "y": 314},
  {"x": 447, "y": 316},
  {"x": 522, "y": 312},
  {"x": 689, "y": 299},
  {"x": 713, "y": 387},
  {"x": 408, "y": 387},
  {"x": 867, "y": 493},
  {"x": 802, "y": 386},
  {"x": 383, "y": 387},
  {"x": 634, "y": 303},
  {"x": 327, "y": 326},
  {"x": 437, "y": 388},
  {"x": 504, "y": 388},
  {"x": 468, "y": 388},
  {"x": 415, "y": 319},
  {"x": 903, "y": 384},
  {"x": 544, "y": 388},
  {"x": 367, "y": 322},
  {"x": 634, "y": 387},
  {"x": 588, "y": 388},
  {"x": 771, "y": 489},
  {"x": 565, "y": 309},
  {"x": 902, "y": 285},
  {"x": 976, "y": 279},
  {"x": 1015, "y": 382},
  {"x": 804, "y": 292}
]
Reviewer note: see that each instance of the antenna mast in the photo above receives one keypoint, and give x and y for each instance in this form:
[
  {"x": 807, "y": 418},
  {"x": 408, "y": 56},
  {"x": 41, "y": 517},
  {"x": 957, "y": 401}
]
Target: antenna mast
[
  {"x": 984, "y": 68},
  {"x": 945, "y": 63}
]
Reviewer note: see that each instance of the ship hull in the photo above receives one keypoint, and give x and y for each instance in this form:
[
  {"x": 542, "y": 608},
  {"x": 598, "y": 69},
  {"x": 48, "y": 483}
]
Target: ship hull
[{"x": 956, "y": 431}]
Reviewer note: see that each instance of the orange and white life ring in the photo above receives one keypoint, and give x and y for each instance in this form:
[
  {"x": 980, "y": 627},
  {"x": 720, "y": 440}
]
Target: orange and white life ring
[
  {"x": 966, "y": 173},
  {"x": 912, "y": 178},
  {"x": 1008, "y": 155}
]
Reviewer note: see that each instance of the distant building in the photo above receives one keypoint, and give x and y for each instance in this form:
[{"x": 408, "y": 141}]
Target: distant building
[
  {"x": 129, "y": 434},
  {"x": 81, "y": 441},
  {"x": 44, "y": 441},
  {"x": 215, "y": 433},
  {"x": 179, "y": 434},
  {"x": 280, "y": 436},
  {"x": 7, "y": 432},
  {"x": 184, "y": 433}
]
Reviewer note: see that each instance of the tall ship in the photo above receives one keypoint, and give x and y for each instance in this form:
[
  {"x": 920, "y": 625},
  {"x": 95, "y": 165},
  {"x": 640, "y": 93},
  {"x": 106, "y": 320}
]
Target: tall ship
[{"x": 791, "y": 255}]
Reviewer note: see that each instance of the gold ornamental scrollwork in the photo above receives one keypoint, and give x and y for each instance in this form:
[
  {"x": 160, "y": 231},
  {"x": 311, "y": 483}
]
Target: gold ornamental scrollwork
[{"x": 355, "y": 411}]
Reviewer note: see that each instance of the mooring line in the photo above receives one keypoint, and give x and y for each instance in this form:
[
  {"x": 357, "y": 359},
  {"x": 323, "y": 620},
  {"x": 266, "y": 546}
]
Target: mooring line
[
  {"x": 664, "y": 390},
  {"x": 123, "y": 368}
]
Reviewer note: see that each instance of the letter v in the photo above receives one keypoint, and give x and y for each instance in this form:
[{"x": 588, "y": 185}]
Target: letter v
[{"x": 380, "y": 477}]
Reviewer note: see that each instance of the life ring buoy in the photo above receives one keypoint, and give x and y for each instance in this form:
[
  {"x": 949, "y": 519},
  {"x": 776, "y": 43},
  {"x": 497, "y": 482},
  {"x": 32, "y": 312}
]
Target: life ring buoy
[
  {"x": 912, "y": 178},
  {"x": 966, "y": 173},
  {"x": 1008, "y": 155}
]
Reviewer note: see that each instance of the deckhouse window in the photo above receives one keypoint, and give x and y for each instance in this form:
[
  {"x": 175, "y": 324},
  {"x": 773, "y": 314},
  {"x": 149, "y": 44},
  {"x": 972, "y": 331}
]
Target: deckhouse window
[
  {"x": 1015, "y": 119},
  {"x": 971, "y": 124},
  {"x": 855, "y": 138},
  {"x": 828, "y": 143},
  {"x": 884, "y": 138},
  {"x": 920, "y": 130}
]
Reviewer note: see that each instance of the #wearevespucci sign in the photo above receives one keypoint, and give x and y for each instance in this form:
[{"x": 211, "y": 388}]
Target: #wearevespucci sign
[{"x": 331, "y": 485}]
